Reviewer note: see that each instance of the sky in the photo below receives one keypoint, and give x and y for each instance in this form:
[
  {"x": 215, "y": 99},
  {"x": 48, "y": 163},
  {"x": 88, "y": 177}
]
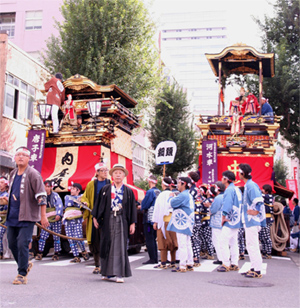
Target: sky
[
  {"x": 240, "y": 22},
  {"x": 241, "y": 26}
]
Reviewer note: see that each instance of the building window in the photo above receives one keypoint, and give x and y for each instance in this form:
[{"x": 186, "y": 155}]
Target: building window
[
  {"x": 18, "y": 100},
  {"x": 138, "y": 154},
  {"x": 34, "y": 20},
  {"x": 7, "y": 23}
]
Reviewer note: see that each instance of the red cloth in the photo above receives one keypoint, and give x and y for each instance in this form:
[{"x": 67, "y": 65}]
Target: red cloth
[
  {"x": 70, "y": 110},
  {"x": 55, "y": 92},
  {"x": 251, "y": 105},
  {"x": 261, "y": 167}
]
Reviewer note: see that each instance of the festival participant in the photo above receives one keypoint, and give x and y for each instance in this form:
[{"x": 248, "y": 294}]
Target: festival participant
[
  {"x": 167, "y": 240},
  {"x": 266, "y": 108},
  {"x": 173, "y": 187},
  {"x": 253, "y": 217},
  {"x": 70, "y": 115},
  {"x": 54, "y": 210},
  {"x": 241, "y": 242},
  {"x": 264, "y": 233},
  {"x": 205, "y": 230},
  {"x": 182, "y": 222},
  {"x": 3, "y": 210},
  {"x": 148, "y": 208},
  {"x": 89, "y": 197},
  {"x": 72, "y": 220},
  {"x": 196, "y": 236},
  {"x": 216, "y": 220},
  {"x": 197, "y": 244},
  {"x": 296, "y": 211},
  {"x": 251, "y": 105},
  {"x": 26, "y": 206},
  {"x": 55, "y": 97},
  {"x": 236, "y": 113},
  {"x": 116, "y": 217},
  {"x": 231, "y": 222}
]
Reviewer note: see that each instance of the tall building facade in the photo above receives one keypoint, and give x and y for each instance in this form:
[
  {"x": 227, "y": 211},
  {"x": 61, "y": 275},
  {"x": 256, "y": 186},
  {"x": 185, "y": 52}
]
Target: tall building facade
[
  {"x": 185, "y": 37},
  {"x": 29, "y": 23}
]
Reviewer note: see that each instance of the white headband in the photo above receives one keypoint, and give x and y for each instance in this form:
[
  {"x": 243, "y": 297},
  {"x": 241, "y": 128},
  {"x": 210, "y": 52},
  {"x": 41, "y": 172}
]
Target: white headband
[
  {"x": 166, "y": 184},
  {"x": 23, "y": 150}
]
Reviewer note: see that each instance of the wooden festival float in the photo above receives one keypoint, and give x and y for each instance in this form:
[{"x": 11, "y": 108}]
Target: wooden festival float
[
  {"x": 71, "y": 154},
  {"x": 222, "y": 149}
]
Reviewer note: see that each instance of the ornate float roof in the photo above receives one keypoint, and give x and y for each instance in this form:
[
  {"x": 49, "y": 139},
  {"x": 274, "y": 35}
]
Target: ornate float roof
[
  {"x": 83, "y": 88},
  {"x": 242, "y": 59}
]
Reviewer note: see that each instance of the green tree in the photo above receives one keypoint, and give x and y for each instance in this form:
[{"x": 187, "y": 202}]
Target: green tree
[
  {"x": 281, "y": 36},
  {"x": 171, "y": 121},
  {"x": 281, "y": 172},
  {"x": 108, "y": 41}
]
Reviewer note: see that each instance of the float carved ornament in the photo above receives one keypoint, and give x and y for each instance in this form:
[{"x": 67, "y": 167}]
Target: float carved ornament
[
  {"x": 243, "y": 69},
  {"x": 240, "y": 55}
]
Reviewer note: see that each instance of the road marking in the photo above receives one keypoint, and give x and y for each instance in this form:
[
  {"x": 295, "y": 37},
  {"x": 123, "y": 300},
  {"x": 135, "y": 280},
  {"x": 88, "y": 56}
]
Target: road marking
[
  {"x": 247, "y": 265},
  {"x": 134, "y": 258},
  {"x": 59, "y": 263}
]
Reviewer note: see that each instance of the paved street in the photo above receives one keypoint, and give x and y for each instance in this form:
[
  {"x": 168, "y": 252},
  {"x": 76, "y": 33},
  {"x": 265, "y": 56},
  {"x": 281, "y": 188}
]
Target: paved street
[{"x": 61, "y": 284}]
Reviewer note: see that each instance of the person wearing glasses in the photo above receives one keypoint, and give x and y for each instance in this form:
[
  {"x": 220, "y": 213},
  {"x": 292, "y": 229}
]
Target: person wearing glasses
[
  {"x": 89, "y": 198},
  {"x": 26, "y": 205}
]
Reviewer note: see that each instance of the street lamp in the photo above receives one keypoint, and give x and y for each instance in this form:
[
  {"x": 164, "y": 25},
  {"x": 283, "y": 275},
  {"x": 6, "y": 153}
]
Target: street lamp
[
  {"x": 94, "y": 108},
  {"x": 44, "y": 111}
]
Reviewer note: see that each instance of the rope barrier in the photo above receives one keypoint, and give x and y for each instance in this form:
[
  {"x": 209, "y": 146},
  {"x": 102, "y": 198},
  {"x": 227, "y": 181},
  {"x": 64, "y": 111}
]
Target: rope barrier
[
  {"x": 279, "y": 242},
  {"x": 53, "y": 233}
]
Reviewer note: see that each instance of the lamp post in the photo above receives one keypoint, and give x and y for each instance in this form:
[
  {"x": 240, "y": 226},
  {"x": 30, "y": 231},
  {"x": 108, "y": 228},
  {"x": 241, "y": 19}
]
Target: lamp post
[
  {"x": 94, "y": 108},
  {"x": 44, "y": 112}
]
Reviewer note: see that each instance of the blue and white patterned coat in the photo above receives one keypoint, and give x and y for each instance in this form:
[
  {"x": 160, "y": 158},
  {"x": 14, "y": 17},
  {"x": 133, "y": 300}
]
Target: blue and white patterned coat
[
  {"x": 55, "y": 201},
  {"x": 216, "y": 212},
  {"x": 182, "y": 220},
  {"x": 253, "y": 200},
  {"x": 232, "y": 205}
]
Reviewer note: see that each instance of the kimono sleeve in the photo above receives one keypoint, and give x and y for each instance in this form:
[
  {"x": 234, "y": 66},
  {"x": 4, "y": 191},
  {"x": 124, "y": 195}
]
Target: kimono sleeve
[
  {"x": 37, "y": 185},
  {"x": 228, "y": 201}
]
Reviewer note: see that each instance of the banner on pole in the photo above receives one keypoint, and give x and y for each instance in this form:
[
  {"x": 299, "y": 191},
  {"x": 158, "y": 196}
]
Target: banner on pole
[
  {"x": 36, "y": 145},
  {"x": 209, "y": 161},
  {"x": 165, "y": 153}
]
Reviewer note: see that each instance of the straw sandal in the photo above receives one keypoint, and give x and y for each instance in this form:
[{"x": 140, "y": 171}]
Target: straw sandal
[
  {"x": 85, "y": 255},
  {"x": 189, "y": 268},
  {"x": 223, "y": 268},
  {"x": 30, "y": 265},
  {"x": 20, "y": 280},
  {"x": 75, "y": 260},
  {"x": 233, "y": 267},
  {"x": 39, "y": 256},
  {"x": 55, "y": 257},
  {"x": 253, "y": 274},
  {"x": 97, "y": 270},
  {"x": 162, "y": 266},
  {"x": 179, "y": 270}
]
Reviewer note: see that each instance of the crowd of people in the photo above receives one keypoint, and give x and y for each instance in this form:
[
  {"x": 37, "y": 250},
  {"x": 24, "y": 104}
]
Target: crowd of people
[
  {"x": 194, "y": 223},
  {"x": 184, "y": 222}
]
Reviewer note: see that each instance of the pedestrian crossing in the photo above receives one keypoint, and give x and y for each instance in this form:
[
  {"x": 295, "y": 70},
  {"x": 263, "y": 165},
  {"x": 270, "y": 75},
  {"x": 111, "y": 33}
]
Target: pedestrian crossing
[{"x": 206, "y": 265}]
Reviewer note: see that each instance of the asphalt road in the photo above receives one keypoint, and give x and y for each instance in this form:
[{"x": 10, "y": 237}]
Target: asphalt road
[{"x": 61, "y": 284}]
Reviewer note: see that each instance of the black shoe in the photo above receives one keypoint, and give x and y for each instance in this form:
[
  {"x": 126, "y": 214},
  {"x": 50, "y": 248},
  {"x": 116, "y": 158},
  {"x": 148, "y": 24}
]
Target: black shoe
[
  {"x": 149, "y": 262},
  {"x": 217, "y": 262}
]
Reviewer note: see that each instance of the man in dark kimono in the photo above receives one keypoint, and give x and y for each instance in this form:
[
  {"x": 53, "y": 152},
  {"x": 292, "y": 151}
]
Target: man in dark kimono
[{"x": 115, "y": 211}]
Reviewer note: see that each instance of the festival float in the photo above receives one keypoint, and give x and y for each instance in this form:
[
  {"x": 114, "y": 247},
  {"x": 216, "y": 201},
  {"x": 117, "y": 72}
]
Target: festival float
[
  {"x": 96, "y": 125},
  {"x": 243, "y": 136}
]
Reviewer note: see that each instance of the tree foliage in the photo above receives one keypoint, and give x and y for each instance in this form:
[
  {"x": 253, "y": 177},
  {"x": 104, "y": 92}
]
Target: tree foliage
[
  {"x": 281, "y": 172},
  {"x": 108, "y": 41},
  {"x": 281, "y": 36},
  {"x": 171, "y": 121}
]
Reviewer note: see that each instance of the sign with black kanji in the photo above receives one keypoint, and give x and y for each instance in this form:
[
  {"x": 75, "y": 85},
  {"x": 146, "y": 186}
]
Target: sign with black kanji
[{"x": 165, "y": 152}]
